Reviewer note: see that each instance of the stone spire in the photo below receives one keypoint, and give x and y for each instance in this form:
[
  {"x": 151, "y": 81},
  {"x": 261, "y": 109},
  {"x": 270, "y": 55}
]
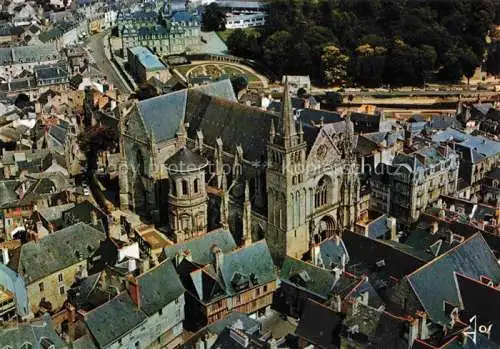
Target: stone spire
[
  {"x": 219, "y": 164},
  {"x": 246, "y": 238},
  {"x": 272, "y": 132},
  {"x": 288, "y": 132},
  {"x": 224, "y": 204},
  {"x": 181, "y": 134}
]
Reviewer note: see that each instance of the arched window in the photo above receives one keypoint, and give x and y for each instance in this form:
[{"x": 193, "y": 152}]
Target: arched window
[
  {"x": 173, "y": 185},
  {"x": 321, "y": 193},
  {"x": 27, "y": 345},
  {"x": 140, "y": 162},
  {"x": 196, "y": 185},
  {"x": 184, "y": 187}
]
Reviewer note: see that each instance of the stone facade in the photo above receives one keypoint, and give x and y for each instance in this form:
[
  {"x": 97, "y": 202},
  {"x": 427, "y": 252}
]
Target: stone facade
[
  {"x": 164, "y": 31},
  {"x": 52, "y": 288},
  {"x": 406, "y": 187},
  {"x": 304, "y": 189}
]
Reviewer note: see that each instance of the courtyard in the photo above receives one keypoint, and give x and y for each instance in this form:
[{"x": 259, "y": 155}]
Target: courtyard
[{"x": 216, "y": 70}]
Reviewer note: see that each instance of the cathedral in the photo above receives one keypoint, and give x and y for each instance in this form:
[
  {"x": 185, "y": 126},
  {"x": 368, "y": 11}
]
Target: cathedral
[{"x": 196, "y": 160}]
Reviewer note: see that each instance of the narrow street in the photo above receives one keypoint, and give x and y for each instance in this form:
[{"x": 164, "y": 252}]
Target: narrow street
[{"x": 96, "y": 46}]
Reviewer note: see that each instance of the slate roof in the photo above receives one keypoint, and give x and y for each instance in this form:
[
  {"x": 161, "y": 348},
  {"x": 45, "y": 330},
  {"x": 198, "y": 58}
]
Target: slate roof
[
  {"x": 331, "y": 253},
  {"x": 378, "y": 227},
  {"x": 185, "y": 160},
  {"x": 320, "y": 325},
  {"x": 254, "y": 260},
  {"x": 201, "y": 248},
  {"x": 54, "y": 212},
  {"x": 248, "y": 325},
  {"x": 57, "y": 251},
  {"x": 147, "y": 58},
  {"x": 114, "y": 319},
  {"x": 35, "y": 53},
  {"x": 159, "y": 287},
  {"x": 235, "y": 123},
  {"x": 377, "y": 329},
  {"x": 481, "y": 300},
  {"x": 7, "y": 193},
  {"x": 370, "y": 251},
  {"x": 33, "y": 333},
  {"x": 317, "y": 280},
  {"x": 472, "y": 258}
]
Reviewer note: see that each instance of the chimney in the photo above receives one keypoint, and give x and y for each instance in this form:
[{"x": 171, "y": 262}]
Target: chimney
[
  {"x": 337, "y": 240},
  {"x": 424, "y": 330},
  {"x": 391, "y": 224},
  {"x": 434, "y": 227},
  {"x": 93, "y": 218},
  {"x": 315, "y": 255},
  {"x": 5, "y": 256},
  {"x": 412, "y": 332},
  {"x": 219, "y": 258},
  {"x": 365, "y": 297},
  {"x": 337, "y": 272},
  {"x": 337, "y": 303},
  {"x": 134, "y": 291},
  {"x": 199, "y": 141}
]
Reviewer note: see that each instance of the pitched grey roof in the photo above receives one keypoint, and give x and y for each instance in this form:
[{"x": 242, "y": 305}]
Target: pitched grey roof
[
  {"x": 201, "y": 248},
  {"x": 159, "y": 287},
  {"x": 163, "y": 114},
  {"x": 54, "y": 212},
  {"x": 57, "y": 251},
  {"x": 317, "y": 280},
  {"x": 7, "y": 193},
  {"x": 114, "y": 319},
  {"x": 35, "y": 333},
  {"x": 472, "y": 258},
  {"x": 250, "y": 262}
]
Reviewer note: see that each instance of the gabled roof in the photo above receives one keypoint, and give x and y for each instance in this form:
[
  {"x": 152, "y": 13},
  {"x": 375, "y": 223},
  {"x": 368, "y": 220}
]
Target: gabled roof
[
  {"x": 396, "y": 263},
  {"x": 57, "y": 251},
  {"x": 481, "y": 300},
  {"x": 114, "y": 319},
  {"x": 472, "y": 258},
  {"x": 320, "y": 325},
  {"x": 317, "y": 280},
  {"x": 201, "y": 248},
  {"x": 159, "y": 287},
  {"x": 253, "y": 262},
  {"x": 34, "y": 333}
]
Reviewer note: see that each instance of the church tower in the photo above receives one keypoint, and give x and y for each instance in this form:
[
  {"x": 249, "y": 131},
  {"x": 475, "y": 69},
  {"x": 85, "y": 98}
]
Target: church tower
[
  {"x": 287, "y": 230},
  {"x": 350, "y": 179},
  {"x": 187, "y": 198}
]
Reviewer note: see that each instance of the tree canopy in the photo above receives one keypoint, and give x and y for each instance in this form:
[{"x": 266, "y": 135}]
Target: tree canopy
[
  {"x": 378, "y": 41},
  {"x": 213, "y": 18}
]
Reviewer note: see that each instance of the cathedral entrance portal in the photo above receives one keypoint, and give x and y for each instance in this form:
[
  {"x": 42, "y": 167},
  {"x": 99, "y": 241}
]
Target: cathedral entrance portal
[{"x": 326, "y": 229}]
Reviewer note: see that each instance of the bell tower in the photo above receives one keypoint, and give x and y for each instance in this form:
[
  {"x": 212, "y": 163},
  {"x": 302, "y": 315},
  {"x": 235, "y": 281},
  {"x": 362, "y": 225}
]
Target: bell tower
[
  {"x": 187, "y": 198},
  {"x": 287, "y": 230}
]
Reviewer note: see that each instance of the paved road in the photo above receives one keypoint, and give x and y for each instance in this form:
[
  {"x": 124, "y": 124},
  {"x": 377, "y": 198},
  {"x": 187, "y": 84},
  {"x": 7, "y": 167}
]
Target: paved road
[{"x": 105, "y": 66}]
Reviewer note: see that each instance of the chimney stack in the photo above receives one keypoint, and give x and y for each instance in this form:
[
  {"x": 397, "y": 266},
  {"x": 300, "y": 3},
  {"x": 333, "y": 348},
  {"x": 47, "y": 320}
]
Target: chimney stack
[
  {"x": 391, "y": 224},
  {"x": 134, "y": 291},
  {"x": 5, "y": 256}
]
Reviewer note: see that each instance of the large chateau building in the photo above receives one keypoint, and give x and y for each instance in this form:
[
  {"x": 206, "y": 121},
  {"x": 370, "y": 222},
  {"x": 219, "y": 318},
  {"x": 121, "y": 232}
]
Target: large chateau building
[
  {"x": 164, "y": 30},
  {"x": 196, "y": 160}
]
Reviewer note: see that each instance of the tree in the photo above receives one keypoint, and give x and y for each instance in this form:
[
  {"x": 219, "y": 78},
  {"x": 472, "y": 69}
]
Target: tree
[
  {"x": 95, "y": 140},
  {"x": 22, "y": 101},
  {"x": 334, "y": 64},
  {"x": 239, "y": 83},
  {"x": 213, "y": 18},
  {"x": 469, "y": 62},
  {"x": 276, "y": 51}
]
